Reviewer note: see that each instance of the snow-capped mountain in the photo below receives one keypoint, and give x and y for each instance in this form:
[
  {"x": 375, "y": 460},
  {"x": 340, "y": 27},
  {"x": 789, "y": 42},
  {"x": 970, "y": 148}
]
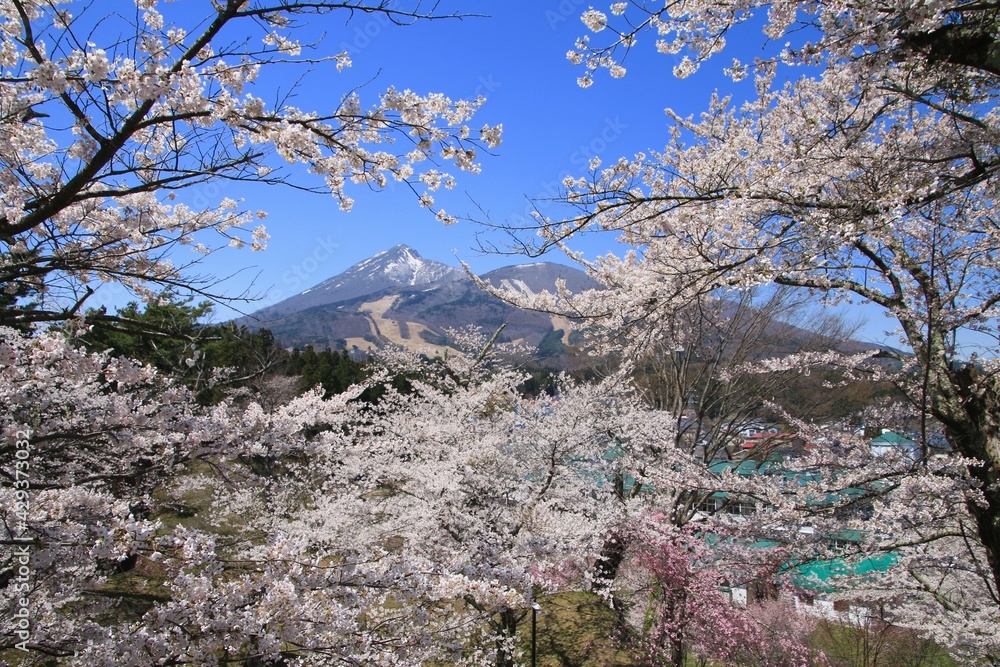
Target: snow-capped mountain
[
  {"x": 397, "y": 267},
  {"x": 400, "y": 265},
  {"x": 399, "y": 297}
]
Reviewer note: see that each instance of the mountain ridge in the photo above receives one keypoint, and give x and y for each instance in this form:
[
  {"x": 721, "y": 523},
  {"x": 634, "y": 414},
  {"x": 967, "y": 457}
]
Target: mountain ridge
[{"x": 398, "y": 297}]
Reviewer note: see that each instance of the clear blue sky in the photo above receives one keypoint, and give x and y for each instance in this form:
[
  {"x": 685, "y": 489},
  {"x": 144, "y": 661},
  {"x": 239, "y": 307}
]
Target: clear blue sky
[{"x": 514, "y": 54}]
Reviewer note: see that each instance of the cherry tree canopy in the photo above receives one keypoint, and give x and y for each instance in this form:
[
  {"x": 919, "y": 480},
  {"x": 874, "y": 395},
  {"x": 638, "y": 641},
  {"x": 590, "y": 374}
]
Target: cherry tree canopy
[
  {"x": 869, "y": 172},
  {"x": 145, "y": 527}
]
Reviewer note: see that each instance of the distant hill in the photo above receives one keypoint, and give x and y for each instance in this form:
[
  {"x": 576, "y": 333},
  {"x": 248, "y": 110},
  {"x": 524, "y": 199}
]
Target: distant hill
[{"x": 397, "y": 296}]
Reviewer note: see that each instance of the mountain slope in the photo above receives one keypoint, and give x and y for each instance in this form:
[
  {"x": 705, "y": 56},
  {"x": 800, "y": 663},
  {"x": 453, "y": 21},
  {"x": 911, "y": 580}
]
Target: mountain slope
[
  {"x": 399, "y": 297},
  {"x": 540, "y": 277}
]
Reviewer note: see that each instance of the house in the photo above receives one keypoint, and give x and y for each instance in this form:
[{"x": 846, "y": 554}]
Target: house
[{"x": 891, "y": 441}]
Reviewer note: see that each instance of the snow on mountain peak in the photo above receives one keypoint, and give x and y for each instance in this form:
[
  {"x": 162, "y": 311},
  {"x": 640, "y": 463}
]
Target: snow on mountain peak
[
  {"x": 399, "y": 266},
  {"x": 406, "y": 267}
]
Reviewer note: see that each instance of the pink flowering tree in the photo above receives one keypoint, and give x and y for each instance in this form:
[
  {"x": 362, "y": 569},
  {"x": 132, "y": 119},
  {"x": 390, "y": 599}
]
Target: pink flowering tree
[{"x": 687, "y": 612}]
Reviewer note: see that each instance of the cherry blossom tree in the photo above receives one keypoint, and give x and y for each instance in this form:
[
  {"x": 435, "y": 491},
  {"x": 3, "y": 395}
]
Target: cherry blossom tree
[
  {"x": 106, "y": 564},
  {"x": 106, "y": 118},
  {"x": 868, "y": 173},
  {"x": 140, "y": 525},
  {"x": 939, "y": 582},
  {"x": 95, "y": 571},
  {"x": 687, "y": 611},
  {"x": 507, "y": 491}
]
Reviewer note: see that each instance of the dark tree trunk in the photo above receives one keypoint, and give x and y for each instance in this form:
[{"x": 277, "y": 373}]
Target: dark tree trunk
[
  {"x": 959, "y": 44},
  {"x": 976, "y": 434},
  {"x": 676, "y": 612},
  {"x": 506, "y": 628},
  {"x": 615, "y": 545},
  {"x": 609, "y": 562}
]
